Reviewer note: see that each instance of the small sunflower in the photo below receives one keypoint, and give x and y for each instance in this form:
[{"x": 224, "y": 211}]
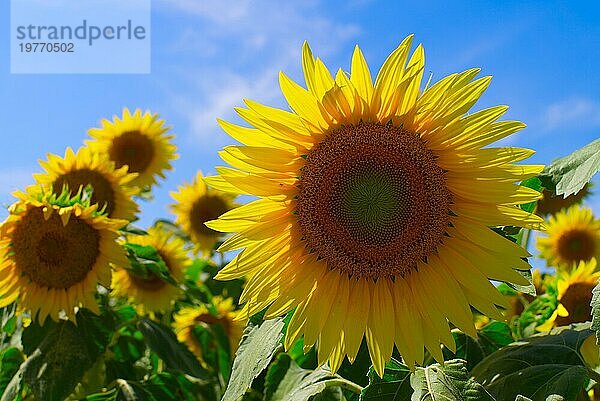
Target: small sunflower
[
  {"x": 78, "y": 170},
  {"x": 573, "y": 236},
  {"x": 137, "y": 141},
  {"x": 152, "y": 294},
  {"x": 375, "y": 207},
  {"x": 197, "y": 204},
  {"x": 551, "y": 203},
  {"x": 54, "y": 251},
  {"x": 189, "y": 317},
  {"x": 574, "y": 294}
]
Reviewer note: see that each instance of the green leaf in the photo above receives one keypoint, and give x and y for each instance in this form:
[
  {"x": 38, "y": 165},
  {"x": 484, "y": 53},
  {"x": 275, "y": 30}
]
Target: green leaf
[
  {"x": 175, "y": 354},
  {"x": 10, "y": 361},
  {"x": 489, "y": 339},
  {"x": 595, "y": 304},
  {"x": 542, "y": 365},
  {"x": 394, "y": 386},
  {"x": 95, "y": 330},
  {"x": 450, "y": 382},
  {"x": 146, "y": 262},
  {"x": 300, "y": 384},
  {"x": 58, "y": 364},
  {"x": 525, "y": 289},
  {"x": 258, "y": 346},
  {"x": 276, "y": 373},
  {"x": 569, "y": 174},
  {"x": 110, "y": 395}
]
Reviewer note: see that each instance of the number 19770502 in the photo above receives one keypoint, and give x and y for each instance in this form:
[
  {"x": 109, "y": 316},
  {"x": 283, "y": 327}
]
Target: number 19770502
[{"x": 46, "y": 47}]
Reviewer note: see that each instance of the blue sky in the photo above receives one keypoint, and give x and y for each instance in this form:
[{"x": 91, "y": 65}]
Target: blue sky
[{"x": 209, "y": 55}]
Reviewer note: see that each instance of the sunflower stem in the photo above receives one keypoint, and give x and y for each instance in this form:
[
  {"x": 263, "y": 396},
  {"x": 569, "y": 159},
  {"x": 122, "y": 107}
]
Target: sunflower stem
[
  {"x": 526, "y": 238},
  {"x": 345, "y": 384}
]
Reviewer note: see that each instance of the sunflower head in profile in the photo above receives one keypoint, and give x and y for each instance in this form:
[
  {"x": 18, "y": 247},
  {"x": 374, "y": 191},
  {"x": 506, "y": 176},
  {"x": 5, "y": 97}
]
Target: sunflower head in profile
[
  {"x": 551, "y": 203},
  {"x": 138, "y": 141},
  {"x": 375, "y": 206},
  {"x": 153, "y": 294},
  {"x": 574, "y": 294},
  {"x": 197, "y": 204},
  {"x": 75, "y": 171},
  {"x": 224, "y": 314},
  {"x": 573, "y": 236},
  {"x": 54, "y": 251}
]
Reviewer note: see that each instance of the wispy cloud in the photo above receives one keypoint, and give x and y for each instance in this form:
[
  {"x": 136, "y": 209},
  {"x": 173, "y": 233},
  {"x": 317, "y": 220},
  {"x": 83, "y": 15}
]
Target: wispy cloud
[
  {"x": 574, "y": 111},
  {"x": 240, "y": 47}
]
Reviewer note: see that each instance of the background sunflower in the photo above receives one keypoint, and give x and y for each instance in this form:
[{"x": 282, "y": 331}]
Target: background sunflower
[
  {"x": 138, "y": 141},
  {"x": 149, "y": 292},
  {"x": 197, "y": 204},
  {"x": 53, "y": 254}
]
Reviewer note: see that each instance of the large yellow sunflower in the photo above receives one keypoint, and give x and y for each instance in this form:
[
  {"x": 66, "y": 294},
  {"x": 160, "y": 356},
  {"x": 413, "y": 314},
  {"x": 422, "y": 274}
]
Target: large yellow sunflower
[
  {"x": 152, "y": 294},
  {"x": 137, "y": 141},
  {"x": 189, "y": 317},
  {"x": 573, "y": 236},
  {"x": 53, "y": 253},
  {"x": 197, "y": 204},
  {"x": 375, "y": 203},
  {"x": 77, "y": 170},
  {"x": 575, "y": 294}
]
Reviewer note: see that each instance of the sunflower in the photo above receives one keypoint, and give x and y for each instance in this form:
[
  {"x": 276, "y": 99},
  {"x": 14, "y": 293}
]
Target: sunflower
[
  {"x": 189, "y": 317},
  {"x": 573, "y": 236},
  {"x": 53, "y": 253},
  {"x": 78, "y": 170},
  {"x": 574, "y": 294},
  {"x": 197, "y": 204},
  {"x": 153, "y": 294},
  {"x": 375, "y": 202},
  {"x": 551, "y": 203},
  {"x": 137, "y": 141}
]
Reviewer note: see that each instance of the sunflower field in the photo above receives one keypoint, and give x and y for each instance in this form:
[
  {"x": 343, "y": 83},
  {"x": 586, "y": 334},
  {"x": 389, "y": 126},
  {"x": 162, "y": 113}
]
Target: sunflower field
[{"x": 372, "y": 242}]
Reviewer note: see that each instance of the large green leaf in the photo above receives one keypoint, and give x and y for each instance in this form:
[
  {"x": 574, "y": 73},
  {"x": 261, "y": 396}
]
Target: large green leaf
[
  {"x": 145, "y": 261},
  {"x": 58, "y": 364},
  {"x": 489, "y": 339},
  {"x": 174, "y": 354},
  {"x": 595, "y": 304},
  {"x": 300, "y": 384},
  {"x": 542, "y": 365},
  {"x": 259, "y": 345},
  {"x": 393, "y": 386},
  {"x": 569, "y": 174},
  {"x": 10, "y": 361},
  {"x": 450, "y": 382}
]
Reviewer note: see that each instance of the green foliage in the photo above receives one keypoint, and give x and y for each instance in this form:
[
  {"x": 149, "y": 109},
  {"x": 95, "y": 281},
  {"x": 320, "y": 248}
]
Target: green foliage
[
  {"x": 595, "y": 304},
  {"x": 448, "y": 382},
  {"x": 175, "y": 355},
  {"x": 490, "y": 338},
  {"x": 394, "y": 386},
  {"x": 542, "y": 365},
  {"x": 10, "y": 360},
  {"x": 569, "y": 174},
  {"x": 146, "y": 262},
  {"x": 259, "y": 345}
]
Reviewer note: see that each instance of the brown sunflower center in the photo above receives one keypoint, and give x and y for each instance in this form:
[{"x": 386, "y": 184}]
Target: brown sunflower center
[
  {"x": 576, "y": 245},
  {"x": 206, "y": 208},
  {"x": 132, "y": 149},
  {"x": 372, "y": 200},
  {"x": 52, "y": 255},
  {"x": 103, "y": 193},
  {"x": 576, "y": 300}
]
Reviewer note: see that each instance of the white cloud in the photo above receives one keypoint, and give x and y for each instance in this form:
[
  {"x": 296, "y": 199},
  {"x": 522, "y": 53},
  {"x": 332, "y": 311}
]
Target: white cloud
[
  {"x": 240, "y": 47},
  {"x": 574, "y": 111}
]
